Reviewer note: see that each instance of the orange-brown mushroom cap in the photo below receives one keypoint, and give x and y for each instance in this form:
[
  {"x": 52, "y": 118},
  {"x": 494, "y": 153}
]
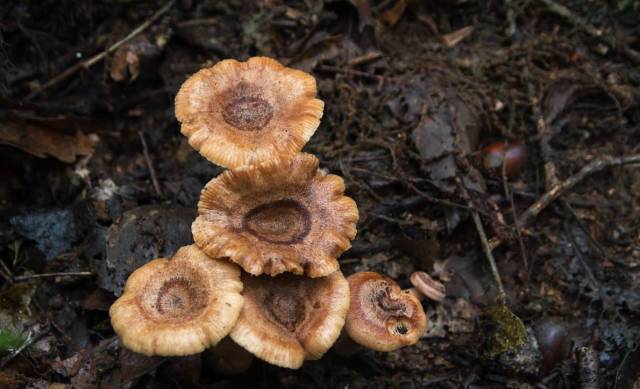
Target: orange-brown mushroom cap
[
  {"x": 284, "y": 215},
  {"x": 179, "y": 306},
  {"x": 382, "y": 317},
  {"x": 238, "y": 113},
  {"x": 287, "y": 319}
]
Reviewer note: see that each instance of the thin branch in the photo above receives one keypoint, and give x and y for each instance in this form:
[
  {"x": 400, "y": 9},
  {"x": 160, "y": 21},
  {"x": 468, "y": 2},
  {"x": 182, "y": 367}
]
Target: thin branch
[
  {"x": 351, "y": 72},
  {"x": 576, "y": 250},
  {"x": 511, "y": 20},
  {"x": 46, "y": 275},
  {"x": 558, "y": 189},
  {"x": 514, "y": 214},
  {"x": 147, "y": 158},
  {"x": 6, "y": 277},
  {"x": 545, "y": 134},
  {"x": 485, "y": 243},
  {"x": 6, "y": 268},
  {"x": 576, "y": 20},
  {"x": 98, "y": 57}
]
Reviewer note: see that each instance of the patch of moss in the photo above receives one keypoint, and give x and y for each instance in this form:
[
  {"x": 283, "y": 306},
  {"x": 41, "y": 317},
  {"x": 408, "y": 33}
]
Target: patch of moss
[
  {"x": 10, "y": 341},
  {"x": 509, "y": 333}
]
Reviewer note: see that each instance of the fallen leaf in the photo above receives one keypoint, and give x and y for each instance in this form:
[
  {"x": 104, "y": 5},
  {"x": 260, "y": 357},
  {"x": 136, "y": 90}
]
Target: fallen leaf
[
  {"x": 393, "y": 14},
  {"x": 457, "y": 36},
  {"x": 129, "y": 59},
  {"x": 106, "y": 365},
  {"x": 41, "y": 141}
]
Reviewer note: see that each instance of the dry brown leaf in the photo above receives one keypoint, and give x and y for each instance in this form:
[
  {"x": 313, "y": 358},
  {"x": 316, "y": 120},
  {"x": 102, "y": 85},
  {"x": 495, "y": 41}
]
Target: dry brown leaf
[
  {"x": 393, "y": 14},
  {"x": 128, "y": 60},
  {"x": 41, "y": 141},
  {"x": 457, "y": 36}
]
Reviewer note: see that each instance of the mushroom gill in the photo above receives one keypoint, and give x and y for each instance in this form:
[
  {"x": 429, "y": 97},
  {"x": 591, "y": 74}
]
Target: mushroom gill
[
  {"x": 179, "y": 306},
  {"x": 287, "y": 319},
  {"x": 238, "y": 113},
  {"x": 284, "y": 215}
]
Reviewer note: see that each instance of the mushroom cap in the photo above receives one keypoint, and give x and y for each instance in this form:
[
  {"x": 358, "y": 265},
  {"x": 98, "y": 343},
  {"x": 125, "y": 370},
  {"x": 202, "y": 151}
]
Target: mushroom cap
[
  {"x": 284, "y": 215},
  {"x": 383, "y": 317},
  {"x": 287, "y": 319},
  {"x": 179, "y": 306},
  {"x": 427, "y": 286},
  {"x": 239, "y": 113}
]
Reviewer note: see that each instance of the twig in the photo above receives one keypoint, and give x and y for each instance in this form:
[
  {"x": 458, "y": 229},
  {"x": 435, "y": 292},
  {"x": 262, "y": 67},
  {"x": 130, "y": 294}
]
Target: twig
[
  {"x": 587, "y": 359},
  {"x": 485, "y": 243},
  {"x": 399, "y": 222},
  {"x": 511, "y": 20},
  {"x": 435, "y": 200},
  {"x": 594, "y": 243},
  {"x": 558, "y": 189},
  {"x": 368, "y": 57},
  {"x": 6, "y": 277},
  {"x": 576, "y": 250},
  {"x": 545, "y": 134},
  {"x": 98, "y": 57},
  {"x": 5, "y": 272},
  {"x": 147, "y": 158},
  {"x": 45, "y": 275},
  {"x": 351, "y": 72},
  {"x": 576, "y": 20},
  {"x": 514, "y": 214}
]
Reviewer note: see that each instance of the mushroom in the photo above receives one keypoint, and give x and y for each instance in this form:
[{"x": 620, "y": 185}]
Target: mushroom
[
  {"x": 381, "y": 316},
  {"x": 228, "y": 358},
  {"x": 179, "y": 306},
  {"x": 425, "y": 286},
  {"x": 287, "y": 319},
  {"x": 284, "y": 215},
  {"x": 239, "y": 113}
]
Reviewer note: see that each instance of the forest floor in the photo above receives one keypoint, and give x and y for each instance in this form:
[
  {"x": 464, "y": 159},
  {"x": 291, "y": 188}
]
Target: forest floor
[{"x": 96, "y": 179}]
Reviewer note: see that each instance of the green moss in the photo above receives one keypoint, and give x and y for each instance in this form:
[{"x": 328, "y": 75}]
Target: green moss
[
  {"x": 509, "y": 334},
  {"x": 10, "y": 341}
]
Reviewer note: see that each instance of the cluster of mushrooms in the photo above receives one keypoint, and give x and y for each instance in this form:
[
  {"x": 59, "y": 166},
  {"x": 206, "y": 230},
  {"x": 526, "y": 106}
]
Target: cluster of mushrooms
[{"x": 262, "y": 277}]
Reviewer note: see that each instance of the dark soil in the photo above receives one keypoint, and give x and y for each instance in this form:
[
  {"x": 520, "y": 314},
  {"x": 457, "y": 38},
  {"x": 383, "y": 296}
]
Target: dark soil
[{"x": 96, "y": 179}]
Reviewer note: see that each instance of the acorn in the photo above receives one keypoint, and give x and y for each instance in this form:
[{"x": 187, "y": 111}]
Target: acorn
[
  {"x": 513, "y": 154},
  {"x": 554, "y": 342}
]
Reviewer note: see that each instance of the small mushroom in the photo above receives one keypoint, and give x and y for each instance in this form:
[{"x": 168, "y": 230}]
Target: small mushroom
[
  {"x": 381, "y": 316},
  {"x": 285, "y": 215},
  {"x": 287, "y": 319},
  {"x": 425, "y": 286},
  {"x": 239, "y": 113},
  {"x": 179, "y": 306}
]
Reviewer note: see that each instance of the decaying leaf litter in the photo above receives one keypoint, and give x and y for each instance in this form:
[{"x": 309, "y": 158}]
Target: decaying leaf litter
[{"x": 97, "y": 178}]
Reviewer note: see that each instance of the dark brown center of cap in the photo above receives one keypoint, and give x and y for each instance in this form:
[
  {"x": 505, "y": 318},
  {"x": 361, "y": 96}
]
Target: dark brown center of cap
[
  {"x": 393, "y": 311},
  {"x": 286, "y": 308},
  {"x": 389, "y": 305},
  {"x": 281, "y": 222},
  {"x": 248, "y": 113},
  {"x": 178, "y": 298}
]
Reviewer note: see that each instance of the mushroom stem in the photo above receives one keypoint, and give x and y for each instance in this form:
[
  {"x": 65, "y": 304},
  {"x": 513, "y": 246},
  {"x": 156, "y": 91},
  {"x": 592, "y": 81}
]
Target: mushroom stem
[
  {"x": 345, "y": 346},
  {"x": 228, "y": 358},
  {"x": 425, "y": 286}
]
